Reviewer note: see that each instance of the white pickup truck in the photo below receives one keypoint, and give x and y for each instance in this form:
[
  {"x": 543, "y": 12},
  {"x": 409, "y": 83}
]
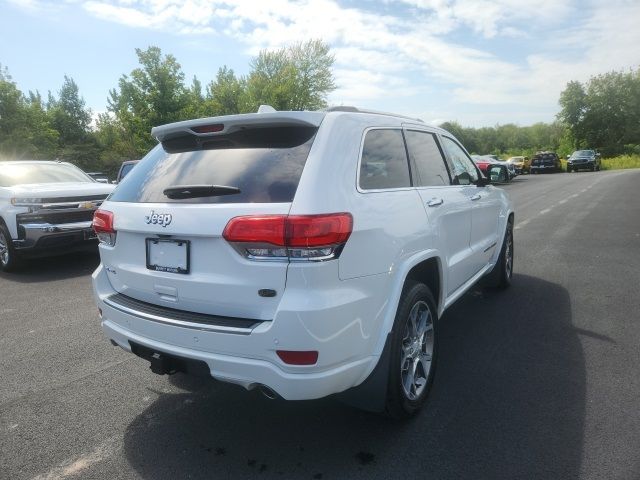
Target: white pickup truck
[{"x": 45, "y": 207}]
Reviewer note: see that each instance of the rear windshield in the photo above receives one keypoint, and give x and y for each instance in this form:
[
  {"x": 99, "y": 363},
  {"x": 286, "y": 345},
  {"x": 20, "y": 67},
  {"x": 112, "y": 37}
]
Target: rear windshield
[
  {"x": 265, "y": 164},
  {"x": 12, "y": 174}
]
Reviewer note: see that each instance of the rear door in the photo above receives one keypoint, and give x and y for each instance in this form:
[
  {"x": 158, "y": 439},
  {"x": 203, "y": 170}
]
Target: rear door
[{"x": 170, "y": 251}]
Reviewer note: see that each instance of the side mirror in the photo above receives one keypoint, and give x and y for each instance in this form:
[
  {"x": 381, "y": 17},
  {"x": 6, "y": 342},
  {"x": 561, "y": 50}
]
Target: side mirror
[{"x": 497, "y": 174}]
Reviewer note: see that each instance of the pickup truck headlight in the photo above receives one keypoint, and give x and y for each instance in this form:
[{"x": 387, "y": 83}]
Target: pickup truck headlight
[{"x": 25, "y": 202}]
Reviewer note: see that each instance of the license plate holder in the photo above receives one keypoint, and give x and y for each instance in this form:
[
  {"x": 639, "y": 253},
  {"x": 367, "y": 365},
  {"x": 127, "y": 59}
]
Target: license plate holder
[{"x": 168, "y": 255}]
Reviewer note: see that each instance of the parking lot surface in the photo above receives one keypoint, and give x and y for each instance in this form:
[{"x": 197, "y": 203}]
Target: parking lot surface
[{"x": 539, "y": 381}]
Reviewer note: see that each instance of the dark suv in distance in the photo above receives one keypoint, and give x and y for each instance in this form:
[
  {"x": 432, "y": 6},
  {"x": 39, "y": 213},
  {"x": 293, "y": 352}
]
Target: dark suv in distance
[
  {"x": 546, "y": 162},
  {"x": 584, "y": 160}
]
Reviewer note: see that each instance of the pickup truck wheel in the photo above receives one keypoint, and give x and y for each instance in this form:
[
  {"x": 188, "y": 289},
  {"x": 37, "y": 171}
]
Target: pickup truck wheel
[
  {"x": 413, "y": 351},
  {"x": 8, "y": 256}
]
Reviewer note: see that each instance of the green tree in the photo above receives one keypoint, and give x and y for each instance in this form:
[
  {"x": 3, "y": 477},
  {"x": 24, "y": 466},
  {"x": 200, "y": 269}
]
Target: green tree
[
  {"x": 605, "y": 112},
  {"x": 153, "y": 94},
  {"x": 573, "y": 102},
  {"x": 25, "y": 130},
  {"x": 295, "y": 78},
  {"x": 225, "y": 93},
  {"x": 69, "y": 114},
  {"x": 196, "y": 103}
]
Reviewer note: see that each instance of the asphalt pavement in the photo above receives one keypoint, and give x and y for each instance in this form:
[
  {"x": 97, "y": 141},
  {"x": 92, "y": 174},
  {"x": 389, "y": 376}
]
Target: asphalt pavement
[{"x": 539, "y": 381}]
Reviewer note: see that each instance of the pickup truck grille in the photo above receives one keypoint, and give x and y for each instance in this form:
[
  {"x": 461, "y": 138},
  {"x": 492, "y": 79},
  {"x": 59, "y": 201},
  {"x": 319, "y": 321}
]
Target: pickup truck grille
[
  {"x": 82, "y": 198},
  {"x": 56, "y": 216}
]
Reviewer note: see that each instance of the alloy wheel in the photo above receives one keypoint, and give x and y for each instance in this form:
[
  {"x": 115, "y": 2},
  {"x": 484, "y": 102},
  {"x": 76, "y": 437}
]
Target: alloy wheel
[
  {"x": 508, "y": 254},
  {"x": 417, "y": 350}
]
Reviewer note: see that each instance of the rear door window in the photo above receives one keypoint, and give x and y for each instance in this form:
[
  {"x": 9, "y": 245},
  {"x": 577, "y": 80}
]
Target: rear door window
[
  {"x": 424, "y": 152},
  {"x": 384, "y": 163},
  {"x": 265, "y": 164}
]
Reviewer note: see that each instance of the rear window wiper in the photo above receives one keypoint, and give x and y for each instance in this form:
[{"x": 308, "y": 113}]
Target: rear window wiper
[{"x": 196, "y": 191}]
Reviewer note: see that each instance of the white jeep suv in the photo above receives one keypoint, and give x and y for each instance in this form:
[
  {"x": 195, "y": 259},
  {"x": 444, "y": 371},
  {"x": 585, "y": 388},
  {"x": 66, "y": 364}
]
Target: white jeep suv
[{"x": 302, "y": 253}]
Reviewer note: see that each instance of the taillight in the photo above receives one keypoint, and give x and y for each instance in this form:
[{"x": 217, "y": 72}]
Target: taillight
[
  {"x": 295, "y": 237},
  {"x": 103, "y": 226}
]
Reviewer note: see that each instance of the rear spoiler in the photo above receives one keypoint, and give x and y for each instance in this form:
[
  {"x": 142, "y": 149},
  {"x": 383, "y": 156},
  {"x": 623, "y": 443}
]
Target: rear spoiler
[{"x": 215, "y": 126}]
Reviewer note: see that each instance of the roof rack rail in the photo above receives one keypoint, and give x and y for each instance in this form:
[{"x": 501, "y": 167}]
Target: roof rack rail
[{"x": 352, "y": 109}]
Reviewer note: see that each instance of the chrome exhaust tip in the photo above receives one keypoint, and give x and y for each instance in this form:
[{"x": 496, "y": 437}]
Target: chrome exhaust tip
[{"x": 267, "y": 392}]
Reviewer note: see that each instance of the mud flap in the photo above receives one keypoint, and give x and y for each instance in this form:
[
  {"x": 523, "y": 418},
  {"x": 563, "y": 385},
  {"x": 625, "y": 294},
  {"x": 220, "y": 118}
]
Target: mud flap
[{"x": 371, "y": 395}]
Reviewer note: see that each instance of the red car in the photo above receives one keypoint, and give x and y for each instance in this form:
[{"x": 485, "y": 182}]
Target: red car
[{"x": 483, "y": 162}]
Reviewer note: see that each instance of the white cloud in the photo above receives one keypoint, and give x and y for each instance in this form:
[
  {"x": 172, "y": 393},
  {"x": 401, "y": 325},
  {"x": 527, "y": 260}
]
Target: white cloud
[
  {"x": 181, "y": 17},
  {"x": 405, "y": 47}
]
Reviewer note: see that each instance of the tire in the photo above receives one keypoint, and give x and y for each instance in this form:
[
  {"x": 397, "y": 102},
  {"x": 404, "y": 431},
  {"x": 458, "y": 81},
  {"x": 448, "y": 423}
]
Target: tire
[
  {"x": 502, "y": 274},
  {"x": 569, "y": 170},
  {"x": 9, "y": 260},
  {"x": 414, "y": 351}
]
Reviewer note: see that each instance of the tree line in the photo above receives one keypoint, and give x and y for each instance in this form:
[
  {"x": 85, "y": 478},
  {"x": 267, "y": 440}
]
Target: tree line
[
  {"x": 298, "y": 77},
  {"x": 603, "y": 113}
]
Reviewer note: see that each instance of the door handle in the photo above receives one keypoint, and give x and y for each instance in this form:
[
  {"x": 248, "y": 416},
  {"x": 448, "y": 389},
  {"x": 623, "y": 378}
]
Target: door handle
[
  {"x": 477, "y": 196},
  {"x": 434, "y": 202}
]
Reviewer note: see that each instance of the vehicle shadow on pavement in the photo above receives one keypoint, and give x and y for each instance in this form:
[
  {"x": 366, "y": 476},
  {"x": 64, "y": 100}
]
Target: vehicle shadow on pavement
[
  {"x": 508, "y": 402},
  {"x": 61, "y": 267}
]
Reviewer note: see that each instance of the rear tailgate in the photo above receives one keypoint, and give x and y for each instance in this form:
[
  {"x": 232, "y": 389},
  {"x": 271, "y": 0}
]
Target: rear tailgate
[
  {"x": 218, "y": 280},
  {"x": 169, "y": 249}
]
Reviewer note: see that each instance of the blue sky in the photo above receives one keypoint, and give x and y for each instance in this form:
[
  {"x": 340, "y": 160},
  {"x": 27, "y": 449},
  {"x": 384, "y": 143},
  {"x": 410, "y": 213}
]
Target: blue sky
[{"x": 478, "y": 62}]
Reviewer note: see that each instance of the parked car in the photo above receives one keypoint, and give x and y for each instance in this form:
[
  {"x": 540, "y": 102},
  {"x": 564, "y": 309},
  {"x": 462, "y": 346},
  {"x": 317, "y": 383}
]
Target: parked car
[
  {"x": 521, "y": 164},
  {"x": 45, "y": 207},
  {"x": 292, "y": 252},
  {"x": 99, "y": 177},
  {"x": 584, "y": 160},
  {"x": 125, "y": 168},
  {"x": 546, "y": 162},
  {"x": 485, "y": 162}
]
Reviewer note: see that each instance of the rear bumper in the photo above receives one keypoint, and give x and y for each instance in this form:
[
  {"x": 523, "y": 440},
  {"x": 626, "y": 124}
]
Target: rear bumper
[
  {"x": 545, "y": 169},
  {"x": 248, "y": 357},
  {"x": 248, "y": 372}
]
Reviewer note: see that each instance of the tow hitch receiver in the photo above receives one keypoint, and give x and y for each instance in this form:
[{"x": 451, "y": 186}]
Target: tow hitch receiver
[
  {"x": 165, "y": 364},
  {"x": 161, "y": 364}
]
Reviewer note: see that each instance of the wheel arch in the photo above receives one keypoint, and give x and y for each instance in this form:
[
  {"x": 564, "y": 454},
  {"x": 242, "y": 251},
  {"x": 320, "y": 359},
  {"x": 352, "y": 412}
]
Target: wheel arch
[
  {"x": 426, "y": 267},
  {"x": 429, "y": 272}
]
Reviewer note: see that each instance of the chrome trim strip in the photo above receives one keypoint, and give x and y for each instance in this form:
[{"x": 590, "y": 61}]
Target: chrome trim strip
[
  {"x": 177, "y": 323},
  {"x": 59, "y": 227}
]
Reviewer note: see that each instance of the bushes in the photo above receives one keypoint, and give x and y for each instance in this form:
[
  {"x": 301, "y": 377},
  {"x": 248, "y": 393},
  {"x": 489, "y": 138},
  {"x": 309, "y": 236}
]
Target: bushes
[{"x": 621, "y": 162}]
